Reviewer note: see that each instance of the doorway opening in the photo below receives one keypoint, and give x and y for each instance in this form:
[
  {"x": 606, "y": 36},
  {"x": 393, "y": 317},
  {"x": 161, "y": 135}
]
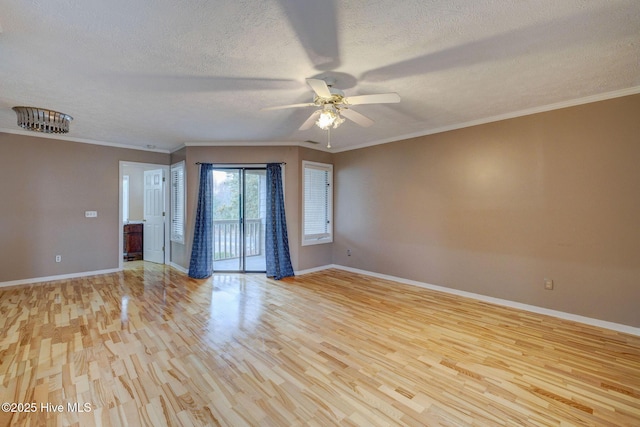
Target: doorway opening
[
  {"x": 144, "y": 213},
  {"x": 239, "y": 219}
]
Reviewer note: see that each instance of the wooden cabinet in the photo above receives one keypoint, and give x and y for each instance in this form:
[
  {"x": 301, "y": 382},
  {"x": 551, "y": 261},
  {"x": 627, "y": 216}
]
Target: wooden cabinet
[{"x": 133, "y": 240}]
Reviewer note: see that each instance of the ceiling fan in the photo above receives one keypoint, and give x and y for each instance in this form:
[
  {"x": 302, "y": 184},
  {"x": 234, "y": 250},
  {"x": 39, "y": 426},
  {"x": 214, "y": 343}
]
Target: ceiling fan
[{"x": 332, "y": 105}]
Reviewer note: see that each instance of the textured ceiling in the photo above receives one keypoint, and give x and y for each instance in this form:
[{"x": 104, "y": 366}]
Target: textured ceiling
[{"x": 165, "y": 73}]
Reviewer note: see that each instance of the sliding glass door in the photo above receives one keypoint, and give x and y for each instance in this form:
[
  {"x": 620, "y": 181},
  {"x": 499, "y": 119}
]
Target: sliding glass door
[{"x": 239, "y": 197}]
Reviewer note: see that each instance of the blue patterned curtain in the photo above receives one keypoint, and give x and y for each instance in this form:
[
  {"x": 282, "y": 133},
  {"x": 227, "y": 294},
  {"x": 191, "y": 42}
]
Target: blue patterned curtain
[
  {"x": 276, "y": 239},
  {"x": 201, "y": 265}
]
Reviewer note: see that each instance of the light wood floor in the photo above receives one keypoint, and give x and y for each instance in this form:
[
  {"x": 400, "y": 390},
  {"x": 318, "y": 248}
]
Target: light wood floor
[{"x": 149, "y": 346}]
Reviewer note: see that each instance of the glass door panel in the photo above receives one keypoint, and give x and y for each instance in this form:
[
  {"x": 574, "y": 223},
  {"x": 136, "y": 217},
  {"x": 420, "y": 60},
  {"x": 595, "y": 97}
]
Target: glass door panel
[
  {"x": 227, "y": 227},
  {"x": 254, "y": 218}
]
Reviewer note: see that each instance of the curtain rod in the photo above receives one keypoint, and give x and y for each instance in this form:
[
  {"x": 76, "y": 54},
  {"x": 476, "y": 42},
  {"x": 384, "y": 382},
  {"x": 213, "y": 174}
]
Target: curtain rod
[{"x": 241, "y": 163}]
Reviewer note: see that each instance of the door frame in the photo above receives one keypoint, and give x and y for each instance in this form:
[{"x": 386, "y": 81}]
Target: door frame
[{"x": 166, "y": 169}]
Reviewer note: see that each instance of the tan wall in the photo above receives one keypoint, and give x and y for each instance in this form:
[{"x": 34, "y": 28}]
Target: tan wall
[
  {"x": 136, "y": 191},
  {"x": 301, "y": 258},
  {"x": 495, "y": 209},
  {"x": 46, "y": 186}
]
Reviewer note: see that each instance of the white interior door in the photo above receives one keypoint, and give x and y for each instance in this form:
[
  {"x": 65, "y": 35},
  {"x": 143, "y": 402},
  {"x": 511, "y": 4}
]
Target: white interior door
[{"x": 153, "y": 248}]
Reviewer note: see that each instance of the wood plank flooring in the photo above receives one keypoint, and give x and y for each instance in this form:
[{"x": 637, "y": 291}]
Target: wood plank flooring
[{"x": 149, "y": 346}]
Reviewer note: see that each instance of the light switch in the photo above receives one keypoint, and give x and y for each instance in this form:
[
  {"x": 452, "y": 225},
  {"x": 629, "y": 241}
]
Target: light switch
[
  {"x": 548, "y": 284},
  {"x": 91, "y": 214}
]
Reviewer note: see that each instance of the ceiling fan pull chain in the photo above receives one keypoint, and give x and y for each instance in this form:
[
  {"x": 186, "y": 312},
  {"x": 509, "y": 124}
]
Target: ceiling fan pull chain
[{"x": 329, "y": 137}]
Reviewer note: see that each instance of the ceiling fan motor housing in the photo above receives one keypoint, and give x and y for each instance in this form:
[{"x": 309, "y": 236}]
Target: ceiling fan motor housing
[{"x": 337, "y": 97}]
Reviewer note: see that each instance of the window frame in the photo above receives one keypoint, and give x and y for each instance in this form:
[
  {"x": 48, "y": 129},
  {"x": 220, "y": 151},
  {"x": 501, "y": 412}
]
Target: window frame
[
  {"x": 314, "y": 239},
  {"x": 178, "y": 193}
]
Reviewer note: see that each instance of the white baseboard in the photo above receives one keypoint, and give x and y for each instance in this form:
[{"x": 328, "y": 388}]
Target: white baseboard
[
  {"x": 58, "y": 277},
  {"x": 180, "y": 268},
  {"x": 498, "y": 301},
  {"x": 74, "y": 276},
  {"x": 314, "y": 269}
]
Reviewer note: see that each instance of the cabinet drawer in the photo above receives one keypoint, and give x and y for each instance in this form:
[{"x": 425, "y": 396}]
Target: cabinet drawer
[{"x": 133, "y": 228}]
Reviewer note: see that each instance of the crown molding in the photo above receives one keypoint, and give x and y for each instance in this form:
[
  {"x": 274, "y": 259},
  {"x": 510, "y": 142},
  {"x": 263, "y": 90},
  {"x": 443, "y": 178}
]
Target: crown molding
[
  {"x": 81, "y": 140},
  {"x": 318, "y": 146},
  {"x": 521, "y": 113}
]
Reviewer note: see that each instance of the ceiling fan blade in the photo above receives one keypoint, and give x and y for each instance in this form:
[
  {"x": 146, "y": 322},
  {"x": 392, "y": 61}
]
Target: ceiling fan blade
[
  {"x": 315, "y": 24},
  {"x": 356, "y": 117},
  {"x": 379, "y": 98},
  {"x": 282, "y": 107},
  {"x": 560, "y": 33},
  {"x": 310, "y": 121},
  {"x": 319, "y": 87}
]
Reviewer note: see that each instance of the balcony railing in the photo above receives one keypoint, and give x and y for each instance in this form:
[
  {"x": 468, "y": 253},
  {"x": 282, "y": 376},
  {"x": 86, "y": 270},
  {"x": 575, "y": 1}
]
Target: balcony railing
[{"x": 227, "y": 241}]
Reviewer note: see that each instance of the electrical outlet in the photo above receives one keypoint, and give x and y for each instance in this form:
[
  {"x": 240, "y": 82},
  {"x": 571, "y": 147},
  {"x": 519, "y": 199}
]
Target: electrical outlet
[
  {"x": 58, "y": 258},
  {"x": 348, "y": 252},
  {"x": 548, "y": 284}
]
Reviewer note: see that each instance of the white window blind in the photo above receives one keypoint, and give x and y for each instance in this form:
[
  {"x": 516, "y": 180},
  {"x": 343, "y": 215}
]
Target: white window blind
[
  {"x": 177, "y": 202},
  {"x": 317, "y": 203}
]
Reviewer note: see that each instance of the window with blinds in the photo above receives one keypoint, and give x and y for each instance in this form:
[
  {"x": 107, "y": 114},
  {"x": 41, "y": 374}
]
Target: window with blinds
[
  {"x": 317, "y": 209},
  {"x": 177, "y": 202}
]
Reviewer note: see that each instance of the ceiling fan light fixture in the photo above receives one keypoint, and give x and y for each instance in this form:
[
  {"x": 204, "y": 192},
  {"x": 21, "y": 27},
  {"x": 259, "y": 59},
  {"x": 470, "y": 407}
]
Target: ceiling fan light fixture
[
  {"x": 42, "y": 120},
  {"x": 329, "y": 117}
]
